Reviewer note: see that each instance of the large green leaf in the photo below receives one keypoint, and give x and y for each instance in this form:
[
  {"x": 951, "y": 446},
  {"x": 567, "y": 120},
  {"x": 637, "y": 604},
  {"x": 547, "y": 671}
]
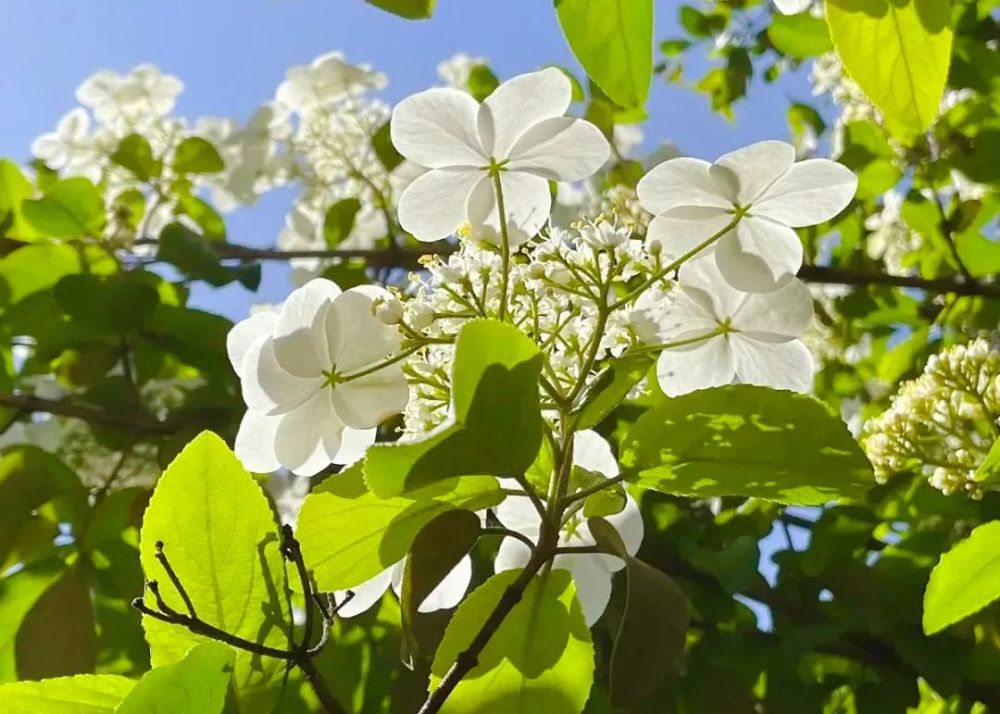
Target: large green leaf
[
  {"x": 192, "y": 254},
  {"x": 70, "y": 208},
  {"x": 220, "y": 536},
  {"x": 612, "y": 385},
  {"x": 410, "y": 9},
  {"x": 898, "y": 51},
  {"x": 83, "y": 694},
  {"x": 496, "y": 425},
  {"x": 541, "y": 659},
  {"x": 743, "y": 440},
  {"x": 613, "y": 40},
  {"x": 20, "y": 273},
  {"x": 14, "y": 188},
  {"x": 649, "y": 644},
  {"x": 19, "y": 593},
  {"x": 195, "y": 155},
  {"x": 348, "y": 535},
  {"x": 196, "y": 684},
  {"x": 965, "y": 581},
  {"x": 799, "y": 36},
  {"x": 135, "y": 154}
]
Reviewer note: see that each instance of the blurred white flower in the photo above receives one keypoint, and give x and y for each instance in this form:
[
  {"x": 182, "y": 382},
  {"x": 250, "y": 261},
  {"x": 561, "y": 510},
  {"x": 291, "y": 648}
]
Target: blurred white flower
[{"x": 329, "y": 77}]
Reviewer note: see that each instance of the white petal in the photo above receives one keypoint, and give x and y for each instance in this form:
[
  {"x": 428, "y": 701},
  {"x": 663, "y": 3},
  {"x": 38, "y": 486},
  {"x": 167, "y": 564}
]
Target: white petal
[
  {"x": 527, "y": 203},
  {"x": 300, "y": 344},
  {"x": 353, "y": 445},
  {"x": 706, "y": 364},
  {"x": 511, "y": 555},
  {"x": 255, "y": 440},
  {"x": 591, "y": 451},
  {"x": 519, "y": 104},
  {"x": 309, "y": 436},
  {"x": 745, "y": 173},
  {"x": 793, "y": 7},
  {"x": 680, "y": 182},
  {"x": 690, "y": 314},
  {"x": 365, "y": 595},
  {"x": 449, "y": 591},
  {"x": 593, "y": 584},
  {"x": 784, "y": 313},
  {"x": 366, "y": 402},
  {"x": 518, "y": 514},
  {"x": 759, "y": 256},
  {"x": 433, "y": 206},
  {"x": 243, "y": 334},
  {"x": 809, "y": 193},
  {"x": 560, "y": 149},
  {"x": 681, "y": 230},
  {"x": 269, "y": 387},
  {"x": 358, "y": 339},
  {"x": 702, "y": 282},
  {"x": 628, "y": 523},
  {"x": 783, "y": 365},
  {"x": 437, "y": 128}
]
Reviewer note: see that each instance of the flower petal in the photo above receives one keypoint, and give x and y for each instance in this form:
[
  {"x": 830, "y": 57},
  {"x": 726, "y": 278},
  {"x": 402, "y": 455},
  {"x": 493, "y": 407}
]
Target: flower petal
[
  {"x": 592, "y": 451},
  {"x": 680, "y": 182},
  {"x": 744, "y": 174},
  {"x": 254, "y": 445},
  {"x": 793, "y": 7},
  {"x": 782, "y": 365},
  {"x": 365, "y": 595},
  {"x": 309, "y": 437},
  {"x": 785, "y": 313},
  {"x": 809, "y": 193},
  {"x": 519, "y": 514},
  {"x": 243, "y": 334},
  {"x": 448, "y": 593},
  {"x": 366, "y": 402},
  {"x": 433, "y": 206},
  {"x": 437, "y": 128},
  {"x": 267, "y": 386},
  {"x": 702, "y": 282},
  {"x": 628, "y": 523},
  {"x": 527, "y": 203},
  {"x": 593, "y": 584},
  {"x": 300, "y": 343},
  {"x": 560, "y": 149},
  {"x": 353, "y": 445},
  {"x": 519, "y": 104},
  {"x": 358, "y": 339},
  {"x": 511, "y": 555},
  {"x": 705, "y": 364},
  {"x": 759, "y": 256},
  {"x": 681, "y": 230}
]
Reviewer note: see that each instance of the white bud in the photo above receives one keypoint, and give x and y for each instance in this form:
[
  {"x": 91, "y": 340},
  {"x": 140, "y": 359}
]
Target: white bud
[
  {"x": 536, "y": 271},
  {"x": 389, "y": 310},
  {"x": 421, "y": 316}
]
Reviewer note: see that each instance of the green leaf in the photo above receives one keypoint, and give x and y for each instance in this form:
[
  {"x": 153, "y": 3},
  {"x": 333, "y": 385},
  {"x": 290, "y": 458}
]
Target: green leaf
[
  {"x": 613, "y": 40},
  {"x": 339, "y": 221},
  {"x": 496, "y": 427},
  {"x": 898, "y": 51},
  {"x": 348, "y": 535},
  {"x": 195, "y": 155},
  {"x": 14, "y": 188},
  {"x": 20, "y": 275},
  {"x": 197, "y": 684},
  {"x": 221, "y": 538},
  {"x": 117, "y": 304},
  {"x": 966, "y": 580},
  {"x": 384, "y": 150},
  {"x": 540, "y": 659},
  {"x": 743, "y": 440},
  {"x": 192, "y": 255},
  {"x": 410, "y": 9},
  {"x": 208, "y": 219},
  {"x": 799, "y": 36},
  {"x": 135, "y": 154},
  {"x": 83, "y": 694},
  {"x": 989, "y": 470},
  {"x": 70, "y": 208},
  {"x": 437, "y": 549},
  {"x": 18, "y": 595},
  {"x": 482, "y": 82},
  {"x": 611, "y": 387},
  {"x": 649, "y": 644}
]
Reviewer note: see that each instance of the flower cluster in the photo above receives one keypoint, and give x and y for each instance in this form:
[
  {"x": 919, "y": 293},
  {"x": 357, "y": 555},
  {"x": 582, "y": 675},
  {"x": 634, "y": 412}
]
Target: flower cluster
[{"x": 944, "y": 422}]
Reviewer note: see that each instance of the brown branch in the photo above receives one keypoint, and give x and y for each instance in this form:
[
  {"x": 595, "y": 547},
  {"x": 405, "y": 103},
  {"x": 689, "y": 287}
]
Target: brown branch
[
  {"x": 133, "y": 421},
  {"x": 844, "y": 276}
]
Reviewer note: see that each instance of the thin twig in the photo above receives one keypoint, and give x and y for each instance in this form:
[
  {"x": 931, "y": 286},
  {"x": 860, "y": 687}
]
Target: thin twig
[
  {"x": 133, "y": 421},
  {"x": 507, "y": 532}
]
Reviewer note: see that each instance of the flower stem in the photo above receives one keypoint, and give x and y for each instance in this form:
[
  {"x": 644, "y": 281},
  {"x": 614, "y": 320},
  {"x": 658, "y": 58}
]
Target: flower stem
[{"x": 504, "y": 243}]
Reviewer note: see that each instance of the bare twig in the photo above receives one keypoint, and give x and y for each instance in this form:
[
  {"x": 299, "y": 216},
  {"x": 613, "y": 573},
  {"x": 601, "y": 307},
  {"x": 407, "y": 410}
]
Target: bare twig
[{"x": 133, "y": 421}]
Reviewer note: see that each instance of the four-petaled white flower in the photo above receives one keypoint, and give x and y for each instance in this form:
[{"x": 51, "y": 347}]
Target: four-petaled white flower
[
  {"x": 591, "y": 571},
  {"x": 142, "y": 94},
  {"x": 70, "y": 146},
  {"x": 763, "y": 186},
  {"x": 327, "y": 78},
  {"x": 519, "y": 131},
  {"x": 445, "y": 596},
  {"x": 311, "y": 378},
  {"x": 793, "y": 7},
  {"x": 747, "y": 336}
]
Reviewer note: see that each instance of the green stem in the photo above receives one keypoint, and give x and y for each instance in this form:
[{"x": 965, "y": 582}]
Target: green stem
[{"x": 504, "y": 244}]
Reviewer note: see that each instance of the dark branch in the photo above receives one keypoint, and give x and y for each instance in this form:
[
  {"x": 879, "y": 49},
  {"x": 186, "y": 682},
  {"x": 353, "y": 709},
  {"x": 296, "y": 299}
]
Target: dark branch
[
  {"x": 132, "y": 421},
  {"x": 844, "y": 276}
]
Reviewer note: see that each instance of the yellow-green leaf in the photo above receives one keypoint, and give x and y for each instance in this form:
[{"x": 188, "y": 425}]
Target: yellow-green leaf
[
  {"x": 83, "y": 694},
  {"x": 965, "y": 581}
]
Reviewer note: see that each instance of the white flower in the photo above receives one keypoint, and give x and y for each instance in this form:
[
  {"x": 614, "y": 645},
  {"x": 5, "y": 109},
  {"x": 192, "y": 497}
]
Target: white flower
[
  {"x": 445, "y": 596},
  {"x": 327, "y": 78},
  {"x": 69, "y": 147},
  {"x": 143, "y": 93},
  {"x": 758, "y": 346},
  {"x": 793, "y": 7},
  {"x": 305, "y": 410},
  {"x": 693, "y": 200},
  {"x": 520, "y": 127},
  {"x": 591, "y": 571}
]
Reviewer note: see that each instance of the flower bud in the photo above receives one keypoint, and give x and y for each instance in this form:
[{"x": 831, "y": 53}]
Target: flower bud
[
  {"x": 388, "y": 310},
  {"x": 536, "y": 271},
  {"x": 421, "y": 317}
]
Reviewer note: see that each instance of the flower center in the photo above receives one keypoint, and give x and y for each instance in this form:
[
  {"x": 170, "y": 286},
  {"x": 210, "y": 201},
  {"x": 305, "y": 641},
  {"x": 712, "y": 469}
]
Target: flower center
[{"x": 494, "y": 168}]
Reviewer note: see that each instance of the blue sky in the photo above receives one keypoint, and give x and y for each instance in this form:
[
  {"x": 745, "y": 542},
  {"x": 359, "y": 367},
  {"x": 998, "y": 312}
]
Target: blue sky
[{"x": 232, "y": 54}]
